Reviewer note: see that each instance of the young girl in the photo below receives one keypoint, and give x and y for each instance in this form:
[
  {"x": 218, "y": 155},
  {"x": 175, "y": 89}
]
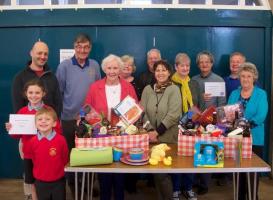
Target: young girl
[{"x": 34, "y": 91}]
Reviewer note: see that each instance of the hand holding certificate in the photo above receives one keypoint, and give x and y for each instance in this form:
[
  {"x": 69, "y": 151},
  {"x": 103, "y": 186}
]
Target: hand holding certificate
[
  {"x": 22, "y": 124},
  {"x": 215, "y": 89}
]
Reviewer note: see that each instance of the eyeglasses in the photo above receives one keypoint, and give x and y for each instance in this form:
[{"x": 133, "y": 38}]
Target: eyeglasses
[{"x": 85, "y": 48}]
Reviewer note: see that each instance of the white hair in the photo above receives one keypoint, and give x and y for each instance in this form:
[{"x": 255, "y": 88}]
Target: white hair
[{"x": 110, "y": 58}]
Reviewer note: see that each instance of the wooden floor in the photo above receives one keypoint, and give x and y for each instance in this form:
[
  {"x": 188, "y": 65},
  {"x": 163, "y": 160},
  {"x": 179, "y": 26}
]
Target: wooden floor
[{"x": 12, "y": 189}]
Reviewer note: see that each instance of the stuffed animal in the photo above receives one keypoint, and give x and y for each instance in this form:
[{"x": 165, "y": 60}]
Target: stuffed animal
[{"x": 158, "y": 154}]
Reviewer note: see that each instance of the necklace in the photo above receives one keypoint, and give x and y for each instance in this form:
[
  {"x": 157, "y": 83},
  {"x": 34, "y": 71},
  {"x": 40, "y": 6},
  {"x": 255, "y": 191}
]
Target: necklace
[{"x": 113, "y": 89}]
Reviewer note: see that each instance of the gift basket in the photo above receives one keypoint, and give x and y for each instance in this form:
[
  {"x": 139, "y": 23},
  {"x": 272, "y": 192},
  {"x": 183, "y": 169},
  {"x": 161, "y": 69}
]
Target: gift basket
[
  {"x": 222, "y": 124},
  {"x": 124, "y": 129}
]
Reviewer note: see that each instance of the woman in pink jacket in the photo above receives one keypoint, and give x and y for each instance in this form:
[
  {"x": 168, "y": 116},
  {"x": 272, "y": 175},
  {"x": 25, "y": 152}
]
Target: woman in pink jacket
[{"x": 103, "y": 95}]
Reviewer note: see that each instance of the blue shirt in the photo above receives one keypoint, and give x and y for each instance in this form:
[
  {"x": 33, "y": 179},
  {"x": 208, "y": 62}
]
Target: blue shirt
[
  {"x": 74, "y": 82},
  {"x": 231, "y": 84},
  {"x": 49, "y": 137}
]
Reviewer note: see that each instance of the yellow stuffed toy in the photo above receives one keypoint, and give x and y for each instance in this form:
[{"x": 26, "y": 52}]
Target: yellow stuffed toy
[{"x": 158, "y": 154}]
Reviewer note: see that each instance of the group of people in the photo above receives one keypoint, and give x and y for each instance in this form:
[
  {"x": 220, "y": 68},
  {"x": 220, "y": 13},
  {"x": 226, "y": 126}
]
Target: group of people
[{"x": 165, "y": 95}]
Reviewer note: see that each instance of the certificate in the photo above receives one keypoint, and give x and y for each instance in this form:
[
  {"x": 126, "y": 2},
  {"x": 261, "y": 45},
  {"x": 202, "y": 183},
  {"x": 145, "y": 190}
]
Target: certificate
[
  {"x": 216, "y": 89},
  {"x": 66, "y": 54},
  {"x": 22, "y": 124},
  {"x": 128, "y": 110}
]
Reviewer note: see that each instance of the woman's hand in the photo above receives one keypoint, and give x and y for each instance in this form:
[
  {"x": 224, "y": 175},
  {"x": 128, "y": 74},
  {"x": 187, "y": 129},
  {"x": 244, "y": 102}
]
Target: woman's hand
[
  {"x": 8, "y": 126},
  {"x": 153, "y": 136},
  {"x": 207, "y": 97}
]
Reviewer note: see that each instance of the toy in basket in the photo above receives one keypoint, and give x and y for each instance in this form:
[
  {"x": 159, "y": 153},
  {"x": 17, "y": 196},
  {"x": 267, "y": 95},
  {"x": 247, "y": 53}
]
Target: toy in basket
[{"x": 208, "y": 154}]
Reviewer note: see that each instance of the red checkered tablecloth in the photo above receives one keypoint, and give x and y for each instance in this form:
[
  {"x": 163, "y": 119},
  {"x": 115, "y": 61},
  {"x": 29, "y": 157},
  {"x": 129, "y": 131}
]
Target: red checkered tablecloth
[
  {"x": 186, "y": 145},
  {"x": 124, "y": 142}
]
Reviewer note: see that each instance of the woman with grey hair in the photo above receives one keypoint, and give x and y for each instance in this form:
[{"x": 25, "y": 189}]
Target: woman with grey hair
[
  {"x": 103, "y": 95},
  {"x": 128, "y": 69},
  {"x": 190, "y": 94},
  {"x": 254, "y": 101}
]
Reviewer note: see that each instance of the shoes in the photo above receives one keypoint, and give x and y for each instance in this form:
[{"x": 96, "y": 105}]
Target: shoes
[
  {"x": 28, "y": 197},
  {"x": 190, "y": 195},
  {"x": 176, "y": 195},
  {"x": 202, "y": 191}
]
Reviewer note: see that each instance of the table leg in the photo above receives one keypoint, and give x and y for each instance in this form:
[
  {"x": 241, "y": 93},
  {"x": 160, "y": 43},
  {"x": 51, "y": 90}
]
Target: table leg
[
  {"x": 92, "y": 184},
  {"x": 234, "y": 186},
  {"x": 255, "y": 186},
  {"x": 83, "y": 182},
  {"x": 249, "y": 186},
  {"x": 76, "y": 186},
  {"x": 237, "y": 185},
  {"x": 88, "y": 188}
]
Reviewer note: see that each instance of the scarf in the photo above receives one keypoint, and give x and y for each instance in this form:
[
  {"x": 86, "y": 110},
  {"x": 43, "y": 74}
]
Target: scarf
[
  {"x": 185, "y": 91},
  {"x": 161, "y": 88}
]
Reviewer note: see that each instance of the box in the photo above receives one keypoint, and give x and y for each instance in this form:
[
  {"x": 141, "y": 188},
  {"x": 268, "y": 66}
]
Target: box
[
  {"x": 186, "y": 145},
  {"x": 124, "y": 142},
  {"x": 208, "y": 154}
]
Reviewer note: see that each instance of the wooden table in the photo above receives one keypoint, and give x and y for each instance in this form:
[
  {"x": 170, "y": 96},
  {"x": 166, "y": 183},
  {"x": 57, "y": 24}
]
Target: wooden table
[{"x": 180, "y": 164}]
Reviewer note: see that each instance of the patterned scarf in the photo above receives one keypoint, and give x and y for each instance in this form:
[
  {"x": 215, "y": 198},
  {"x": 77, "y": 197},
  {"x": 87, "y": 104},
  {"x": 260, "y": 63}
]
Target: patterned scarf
[
  {"x": 161, "y": 88},
  {"x": 185, "y": 90}
]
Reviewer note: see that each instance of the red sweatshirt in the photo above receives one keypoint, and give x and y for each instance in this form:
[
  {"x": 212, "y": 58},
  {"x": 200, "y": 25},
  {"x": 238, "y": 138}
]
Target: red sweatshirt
[
  {"x": 49, "y": 157},
  {"x": 26, "y": 138}
]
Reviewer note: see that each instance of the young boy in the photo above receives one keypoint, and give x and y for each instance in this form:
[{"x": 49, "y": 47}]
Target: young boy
[{"x": 49, "y": 154}]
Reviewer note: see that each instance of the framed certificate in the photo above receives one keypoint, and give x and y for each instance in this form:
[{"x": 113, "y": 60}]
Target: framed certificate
[{"x": 22, "y": 124}]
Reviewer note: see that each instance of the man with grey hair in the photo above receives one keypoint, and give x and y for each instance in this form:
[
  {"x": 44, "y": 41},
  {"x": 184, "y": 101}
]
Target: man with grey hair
[
  {"x": 147, "y": 77},
  {"x": 75, "y": 76},
  {"x": 205, "y": 62}
]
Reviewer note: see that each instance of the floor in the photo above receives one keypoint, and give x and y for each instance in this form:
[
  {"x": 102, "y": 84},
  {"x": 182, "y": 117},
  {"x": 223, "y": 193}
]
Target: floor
[{"x": 11, "y": 189}]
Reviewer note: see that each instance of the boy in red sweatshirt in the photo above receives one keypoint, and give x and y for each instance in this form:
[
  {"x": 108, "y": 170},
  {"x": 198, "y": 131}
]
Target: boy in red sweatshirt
[{"x": 49, "y": 154}]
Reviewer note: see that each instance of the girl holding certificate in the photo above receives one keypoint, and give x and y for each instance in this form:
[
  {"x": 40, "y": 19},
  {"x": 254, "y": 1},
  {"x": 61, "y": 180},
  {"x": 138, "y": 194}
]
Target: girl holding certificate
[{"x": 34, "y": 91}]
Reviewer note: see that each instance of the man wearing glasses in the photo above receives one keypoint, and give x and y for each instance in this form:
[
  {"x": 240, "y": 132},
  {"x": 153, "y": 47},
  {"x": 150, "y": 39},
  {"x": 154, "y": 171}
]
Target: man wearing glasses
[{"x": 75, "y": 76}]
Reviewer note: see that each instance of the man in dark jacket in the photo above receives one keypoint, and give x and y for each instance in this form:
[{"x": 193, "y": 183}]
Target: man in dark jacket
[
  {"x": 37, "y": 68},
  {"x": 147, "y": 78}
]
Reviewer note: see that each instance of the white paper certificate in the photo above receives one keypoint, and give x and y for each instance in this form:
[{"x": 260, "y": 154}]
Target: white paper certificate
[
  {"x": 66, "y": 54},
  {"x": 22, "y": 124},
  {"x": 216, "y": 89}
]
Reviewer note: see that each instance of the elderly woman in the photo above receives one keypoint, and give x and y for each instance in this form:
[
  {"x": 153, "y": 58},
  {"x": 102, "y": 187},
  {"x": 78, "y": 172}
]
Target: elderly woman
[
  {"x": 128, "y": 69},
  {"x": 190, "y": 96},
  {"x": 254, "y": 101},
  {"x": 162, "y": 110},
  {"x": 189, "y": 88},
  {"x": 103, "y": 95}
]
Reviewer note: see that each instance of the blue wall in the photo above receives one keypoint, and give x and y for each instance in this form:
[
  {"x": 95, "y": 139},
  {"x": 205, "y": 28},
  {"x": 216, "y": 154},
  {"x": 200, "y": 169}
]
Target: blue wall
[{"x": 129, "y": 31}]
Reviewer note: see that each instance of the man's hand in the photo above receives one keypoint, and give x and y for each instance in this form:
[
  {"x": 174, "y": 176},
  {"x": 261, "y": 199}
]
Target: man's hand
[{"x": 207, "y": 97}]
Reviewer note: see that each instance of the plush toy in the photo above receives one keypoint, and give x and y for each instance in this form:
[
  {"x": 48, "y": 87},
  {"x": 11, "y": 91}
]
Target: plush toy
[{"x": 158, "y": 154}]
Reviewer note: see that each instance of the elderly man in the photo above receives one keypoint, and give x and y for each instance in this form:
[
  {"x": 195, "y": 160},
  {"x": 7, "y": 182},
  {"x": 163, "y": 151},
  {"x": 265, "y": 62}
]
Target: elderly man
[
  {"x": 37, "y": 68},
  {"x": 232, "y": 81},
  {"x": 75, "y": 76},
  {"x": 147, "y": 77},
  {"x": 205, "y": 62}
]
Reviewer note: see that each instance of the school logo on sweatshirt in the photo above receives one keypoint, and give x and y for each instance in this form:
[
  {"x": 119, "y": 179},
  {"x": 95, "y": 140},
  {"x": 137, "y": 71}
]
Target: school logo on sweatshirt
[{"x": 52, "y": 151}]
